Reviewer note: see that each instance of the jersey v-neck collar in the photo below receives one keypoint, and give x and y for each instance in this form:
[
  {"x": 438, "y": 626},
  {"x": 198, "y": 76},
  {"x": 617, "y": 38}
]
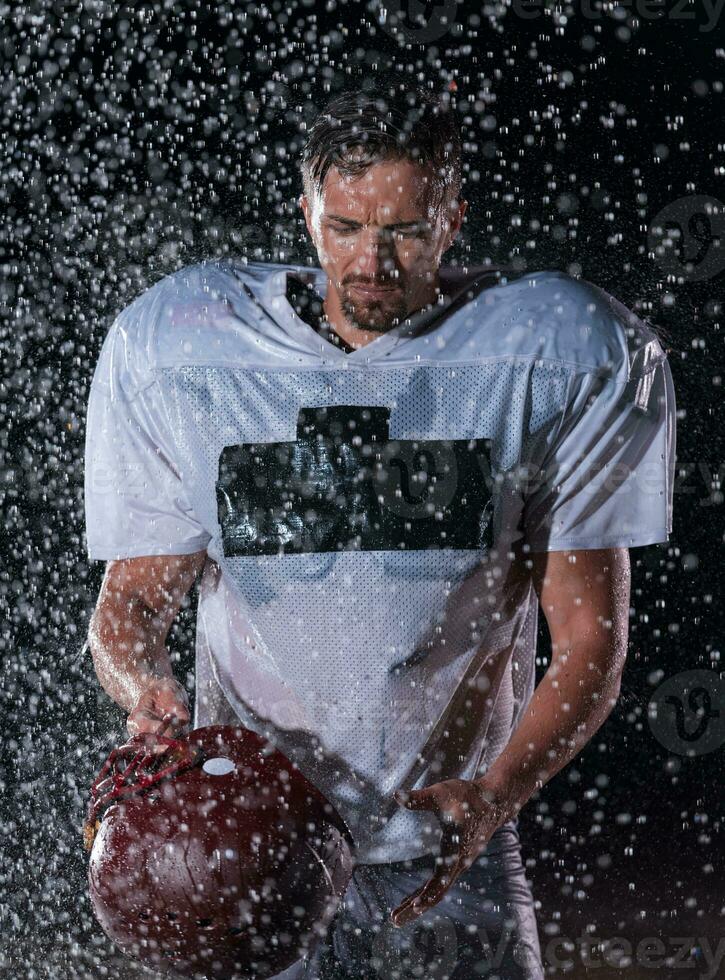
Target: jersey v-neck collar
[
  {"x": 292, "y": 323},
  {"x": 269, "y": 294},
  {"x": 308, "y": 305}
]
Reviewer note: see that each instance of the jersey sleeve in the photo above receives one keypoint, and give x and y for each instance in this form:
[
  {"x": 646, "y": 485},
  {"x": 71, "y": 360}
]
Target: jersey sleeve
[
  {"x": 607, "y": 474},
  {"x": 135, "y": 500}
]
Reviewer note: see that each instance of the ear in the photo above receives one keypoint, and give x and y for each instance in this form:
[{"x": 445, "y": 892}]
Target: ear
[
  {"x": 461, "y": 213},
  {"x": 307, "y": 211},
  {"x": 456, "y": 212}
]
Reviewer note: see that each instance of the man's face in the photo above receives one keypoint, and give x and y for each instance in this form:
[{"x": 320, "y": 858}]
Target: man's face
[{"x": 380, "y": 238}]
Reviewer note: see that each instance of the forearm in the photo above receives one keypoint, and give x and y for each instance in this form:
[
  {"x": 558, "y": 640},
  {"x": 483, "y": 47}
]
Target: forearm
[
  {"x": 566, "y": 709},
  {"x": 127, "y": 643}
]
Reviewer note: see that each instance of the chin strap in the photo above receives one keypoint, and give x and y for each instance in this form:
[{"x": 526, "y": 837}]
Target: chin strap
[{"x": 144, "y": 766}]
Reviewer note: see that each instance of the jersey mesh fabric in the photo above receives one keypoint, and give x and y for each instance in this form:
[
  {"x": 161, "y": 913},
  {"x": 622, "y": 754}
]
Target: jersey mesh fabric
[
  {"x": 321, "y": 639},
  {"x": 375, "y": 668}
]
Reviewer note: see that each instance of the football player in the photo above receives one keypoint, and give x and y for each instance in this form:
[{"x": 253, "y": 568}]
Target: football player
[{"x": 382, "y": 467}]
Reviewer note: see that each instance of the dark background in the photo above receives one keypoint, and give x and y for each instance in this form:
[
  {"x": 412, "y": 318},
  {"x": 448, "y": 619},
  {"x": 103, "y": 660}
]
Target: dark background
[{"x": 139, "y": 139}]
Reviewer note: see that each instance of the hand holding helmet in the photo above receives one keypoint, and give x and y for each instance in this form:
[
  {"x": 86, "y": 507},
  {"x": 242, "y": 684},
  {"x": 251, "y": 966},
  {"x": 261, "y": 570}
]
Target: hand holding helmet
[
  {"x": 162, "y": 708},
  {"x": 214, "y": 857}
]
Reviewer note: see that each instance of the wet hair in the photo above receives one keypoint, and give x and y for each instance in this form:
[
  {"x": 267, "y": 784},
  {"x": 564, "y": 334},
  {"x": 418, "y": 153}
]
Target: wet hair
[{"x": 359, "y": 128}]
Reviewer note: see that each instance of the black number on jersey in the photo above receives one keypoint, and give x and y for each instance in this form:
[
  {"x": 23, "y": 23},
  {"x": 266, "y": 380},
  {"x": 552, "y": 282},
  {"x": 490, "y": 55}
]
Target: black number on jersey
[{"x": 345, "y": 485}]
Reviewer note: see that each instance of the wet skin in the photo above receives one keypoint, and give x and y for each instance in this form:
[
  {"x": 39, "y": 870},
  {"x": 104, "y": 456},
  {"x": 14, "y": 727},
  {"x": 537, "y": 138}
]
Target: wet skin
[{"x": 380, "y": 238}]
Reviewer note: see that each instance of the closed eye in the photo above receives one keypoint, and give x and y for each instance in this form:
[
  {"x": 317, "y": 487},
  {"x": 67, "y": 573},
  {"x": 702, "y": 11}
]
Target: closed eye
[{"x": 397, "y": 232}]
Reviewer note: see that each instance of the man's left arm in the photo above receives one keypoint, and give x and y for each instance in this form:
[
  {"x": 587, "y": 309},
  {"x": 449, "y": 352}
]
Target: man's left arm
[{"x": 585, "y": 598}]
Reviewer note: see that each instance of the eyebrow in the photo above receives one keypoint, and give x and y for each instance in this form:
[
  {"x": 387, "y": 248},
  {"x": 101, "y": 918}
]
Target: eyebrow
[{"x": 356, "y": 224}]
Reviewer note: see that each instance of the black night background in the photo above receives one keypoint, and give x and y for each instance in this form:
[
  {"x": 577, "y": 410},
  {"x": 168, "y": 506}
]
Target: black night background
[{"x": 139, "y": 138}]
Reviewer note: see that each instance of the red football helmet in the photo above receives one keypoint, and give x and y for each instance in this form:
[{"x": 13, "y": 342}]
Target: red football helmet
[{"x": 215, "y": 857}]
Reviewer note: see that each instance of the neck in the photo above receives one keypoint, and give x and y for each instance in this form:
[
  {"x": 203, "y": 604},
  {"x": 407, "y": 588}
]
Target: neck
[{"x": 357, "y": 336}]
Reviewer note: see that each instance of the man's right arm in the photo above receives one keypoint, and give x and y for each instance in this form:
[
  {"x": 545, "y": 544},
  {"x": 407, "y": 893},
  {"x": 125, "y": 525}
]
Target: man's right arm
[{"x": 138, "y": 602}]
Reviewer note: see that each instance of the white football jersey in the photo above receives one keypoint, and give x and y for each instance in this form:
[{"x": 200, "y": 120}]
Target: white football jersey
[{"x": 361, "y": 605}]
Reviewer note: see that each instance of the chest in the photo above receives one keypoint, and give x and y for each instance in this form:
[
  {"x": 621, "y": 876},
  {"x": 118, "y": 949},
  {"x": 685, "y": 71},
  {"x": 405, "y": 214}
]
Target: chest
[{"x": 350, "y": 459}]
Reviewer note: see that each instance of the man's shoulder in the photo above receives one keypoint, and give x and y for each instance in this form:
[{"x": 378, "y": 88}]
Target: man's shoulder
[
  {"x": 551, "y": 316},
  {"x": 584, "y": 325},
  {"x": 190, "y": 312}
]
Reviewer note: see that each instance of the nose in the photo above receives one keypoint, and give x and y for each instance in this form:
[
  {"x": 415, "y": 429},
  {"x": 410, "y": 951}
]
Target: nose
[{"x": 376, "y": 259}]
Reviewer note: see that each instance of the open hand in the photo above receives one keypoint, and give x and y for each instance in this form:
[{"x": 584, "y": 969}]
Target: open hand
[{"x": 469, "y": 817}]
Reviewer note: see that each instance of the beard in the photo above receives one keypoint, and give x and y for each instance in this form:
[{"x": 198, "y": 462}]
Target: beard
[{"x": 377, "y": 314}]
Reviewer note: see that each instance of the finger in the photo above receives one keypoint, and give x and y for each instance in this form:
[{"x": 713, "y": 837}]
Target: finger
[
  {"x": 173, "y": 711},
  {"x": 428, "y": 895},
  {"x": 145, "y": 722},
  {"x": 418, "y": 903},
  {"x": 417, "y": 799},
  {"x": 408, "y": 909},
  {"x": 167, "y": 724},
  {"x": 174, "y": 701},
  {"x": 170, "y": 726},
  {"x": 142, "y": 721}
]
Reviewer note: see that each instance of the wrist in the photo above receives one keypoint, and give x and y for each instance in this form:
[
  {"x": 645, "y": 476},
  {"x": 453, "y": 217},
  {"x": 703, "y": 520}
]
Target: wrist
[
  {"x": 500, "y": 794},
  {"x": 149, "y": 676}
]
